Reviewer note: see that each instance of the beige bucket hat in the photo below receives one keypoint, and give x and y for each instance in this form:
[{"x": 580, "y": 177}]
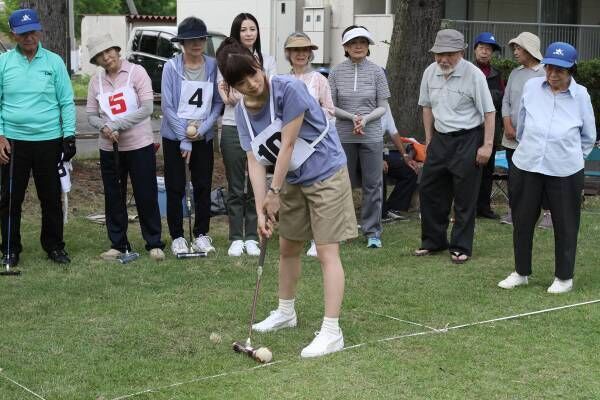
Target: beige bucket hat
[
  {"x": 97, "y": 44},
  {"x": 529, "y": 42},
  {"x": 299, "y": 39},
  {"x": 448, "y": 41}
]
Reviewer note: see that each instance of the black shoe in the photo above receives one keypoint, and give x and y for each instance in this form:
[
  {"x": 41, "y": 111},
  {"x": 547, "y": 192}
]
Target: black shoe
[
  {"x": 12, "y": 259},
  {"x": 489, "y": 214},
  {"x": 59, "y": 256}
]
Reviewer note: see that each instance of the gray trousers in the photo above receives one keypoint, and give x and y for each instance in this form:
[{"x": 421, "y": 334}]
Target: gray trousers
[
  {"x": 365, "y": 166},
  {"x": 240, "y": 197}
]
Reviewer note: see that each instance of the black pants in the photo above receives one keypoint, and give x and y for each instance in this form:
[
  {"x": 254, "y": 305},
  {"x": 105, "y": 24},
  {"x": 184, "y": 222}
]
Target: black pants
[
  {"x": 140, "y": 165},
  {"x": 406, "y": 183},
  {"x": 564, "y": 201},
  {"x": 201, "y": 169},
  {"x": 485, "y": 189},
  {"x": 450, "y": 173},
  {"x": 41, "y": 158}
]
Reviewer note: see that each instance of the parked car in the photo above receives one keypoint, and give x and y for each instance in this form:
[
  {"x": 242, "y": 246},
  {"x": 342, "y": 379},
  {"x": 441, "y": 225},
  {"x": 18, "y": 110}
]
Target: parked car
[{"x": 151, "y": 47}]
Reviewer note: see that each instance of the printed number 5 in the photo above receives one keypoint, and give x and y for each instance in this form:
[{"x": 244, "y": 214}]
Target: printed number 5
[
  {"x": 196, "y": 99},
  {"x": 117, "y": 104}
]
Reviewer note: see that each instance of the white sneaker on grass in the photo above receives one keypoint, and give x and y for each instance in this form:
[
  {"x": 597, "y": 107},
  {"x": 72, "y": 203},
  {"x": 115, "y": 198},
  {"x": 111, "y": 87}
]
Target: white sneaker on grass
[
  {"x": 560, "y": 286},
  {"x": 203, "y": 244},
  {"x": 323, "y": 343},
  {"x": 312, "y": 250},
  {"x": 179, "y": 246},
  {"x": 157, "y": 254},
  {"x": 252, "y": 248},
  {"x": 110, "y": 255},
  {"x": 512, "y": 281},
  {"x": 275, "y": 321},
  {"x": 236, "y": 248}
]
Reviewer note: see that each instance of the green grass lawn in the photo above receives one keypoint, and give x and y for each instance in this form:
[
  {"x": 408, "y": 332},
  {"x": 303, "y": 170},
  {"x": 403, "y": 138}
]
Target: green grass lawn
[
  {"x": 80, "y": 86},
  {"x": 96, "y": 330}
]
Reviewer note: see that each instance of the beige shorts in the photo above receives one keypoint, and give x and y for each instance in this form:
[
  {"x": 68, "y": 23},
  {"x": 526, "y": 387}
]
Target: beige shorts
[{"x": 323, "y": 211}]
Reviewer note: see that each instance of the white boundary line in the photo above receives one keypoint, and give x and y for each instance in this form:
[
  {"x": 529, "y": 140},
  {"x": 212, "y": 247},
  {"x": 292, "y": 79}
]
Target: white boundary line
[
  {"x": 204, "y": 378},
  {"x": 430, "y": 331},
  {"x": 400, "y": 320},
  {"x": 19, "y": 385}
]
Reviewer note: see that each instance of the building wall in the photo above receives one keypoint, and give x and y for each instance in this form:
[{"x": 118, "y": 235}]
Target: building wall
[
  {"x": 506, "y": 10},
  {"x": 590, "y": 12},
  {"x": 92, "y": 25}
]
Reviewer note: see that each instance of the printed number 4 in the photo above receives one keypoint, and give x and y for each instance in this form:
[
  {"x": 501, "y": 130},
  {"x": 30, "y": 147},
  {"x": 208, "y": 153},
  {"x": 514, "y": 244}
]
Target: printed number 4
[
  {"x": 196, "y": 99},
  {"x": 117, "y": 103}
]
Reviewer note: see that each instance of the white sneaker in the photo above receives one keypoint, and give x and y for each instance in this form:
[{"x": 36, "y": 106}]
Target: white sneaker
[
  {"x": 111, "y": 255},
  {"x": 203, "y": 244},
  {"x": 252, "y": 248},
  {"x": 236, "y": 249},
  {"x": 323, "y": 343},
  {"x": 179, "y": 246},
  {"x": 276, "y": 321},
  {"x": 512, "y": 281},
  {"x": 560, "y": 286},
  {"x": 312, "y": 251}
]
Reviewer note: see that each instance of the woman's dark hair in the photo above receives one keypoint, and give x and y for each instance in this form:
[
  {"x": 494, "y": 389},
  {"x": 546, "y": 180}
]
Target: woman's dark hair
[
  {"x": 346, "y": 30},
  {"x": 236, "y": 27},
  {"x": 235, "y": 61}
]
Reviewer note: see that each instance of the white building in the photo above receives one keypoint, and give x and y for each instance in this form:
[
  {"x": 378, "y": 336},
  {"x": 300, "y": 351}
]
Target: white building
[{"x": 553, "y": 20}]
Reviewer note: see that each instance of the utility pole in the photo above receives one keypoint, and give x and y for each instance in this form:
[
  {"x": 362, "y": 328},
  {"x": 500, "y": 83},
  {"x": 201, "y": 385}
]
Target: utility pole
[{"x": 132, "y": 8}]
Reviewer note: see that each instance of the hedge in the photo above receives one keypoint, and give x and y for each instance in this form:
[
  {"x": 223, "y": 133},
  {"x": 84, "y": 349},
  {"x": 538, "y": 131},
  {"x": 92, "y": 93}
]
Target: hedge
[{"x": 588, "y": 75}]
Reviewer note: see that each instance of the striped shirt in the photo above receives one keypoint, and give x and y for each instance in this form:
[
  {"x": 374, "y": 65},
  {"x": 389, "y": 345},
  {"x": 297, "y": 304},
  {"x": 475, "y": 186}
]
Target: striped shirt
[{"x": 357, "y": 88}]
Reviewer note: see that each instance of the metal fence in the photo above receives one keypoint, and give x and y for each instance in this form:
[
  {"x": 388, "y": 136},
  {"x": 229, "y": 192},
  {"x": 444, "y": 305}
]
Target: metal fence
[{"x": 585, "y": 38}]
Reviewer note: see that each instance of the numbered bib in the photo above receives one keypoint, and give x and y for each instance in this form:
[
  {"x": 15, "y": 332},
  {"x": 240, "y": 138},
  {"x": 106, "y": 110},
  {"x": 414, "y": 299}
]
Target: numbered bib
[
  {"x": 120, "y": 102},
  {"x": 266, "y": 145},
  {"x": 195, "y": 102}
]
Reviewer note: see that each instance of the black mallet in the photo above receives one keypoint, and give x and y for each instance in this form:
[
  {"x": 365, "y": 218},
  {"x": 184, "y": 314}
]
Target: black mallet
[
  {"x": 261, "y": 354},
  {"x": 7, "y": 259}
]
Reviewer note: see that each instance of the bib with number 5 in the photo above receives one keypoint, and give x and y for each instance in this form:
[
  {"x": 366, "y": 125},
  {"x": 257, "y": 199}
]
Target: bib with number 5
[
  {"x": 266, "y": 145},
  {"x": 195, "y": 102},
  {"x": 120, "y": 102}
]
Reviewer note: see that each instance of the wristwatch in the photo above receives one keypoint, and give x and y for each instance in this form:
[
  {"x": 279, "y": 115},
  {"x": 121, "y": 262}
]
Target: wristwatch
[{"x": 275, "y": 190}]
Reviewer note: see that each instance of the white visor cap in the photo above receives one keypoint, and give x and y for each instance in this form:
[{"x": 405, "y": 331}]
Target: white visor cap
[{"x": 357, "y": 32}]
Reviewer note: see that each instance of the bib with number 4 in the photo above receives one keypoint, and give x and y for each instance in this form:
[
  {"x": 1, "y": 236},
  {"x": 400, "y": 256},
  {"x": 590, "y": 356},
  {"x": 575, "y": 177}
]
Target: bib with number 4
[
  {"x": 120, "y": 102},
  {"x": 195, "y": 102},
  {"x": 266, "y": 145}
]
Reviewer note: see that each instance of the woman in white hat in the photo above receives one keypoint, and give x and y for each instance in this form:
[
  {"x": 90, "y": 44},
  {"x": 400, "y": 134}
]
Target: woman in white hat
[
  {"x": 299, "y": 52},
  {"x": 360, "y": 93},
  {"x": 119, "y": 105}
]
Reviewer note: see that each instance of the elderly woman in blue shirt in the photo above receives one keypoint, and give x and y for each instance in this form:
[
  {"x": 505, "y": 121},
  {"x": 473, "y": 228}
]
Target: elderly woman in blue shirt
[{"x": 556, "y": 132}]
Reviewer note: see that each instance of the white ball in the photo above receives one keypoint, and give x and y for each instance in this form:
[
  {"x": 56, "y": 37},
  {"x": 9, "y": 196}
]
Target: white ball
[
  {"x": 215, "y": 338},
  {"x": 191, "y": 131},
  {"x": 263, "y": 354}
]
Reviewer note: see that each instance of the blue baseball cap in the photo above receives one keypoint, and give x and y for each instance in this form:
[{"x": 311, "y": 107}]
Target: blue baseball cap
[
  {"x": 23, "y": 21},
  {"x": 560, "y": 54},
  {"x": 486, "y": 38}
]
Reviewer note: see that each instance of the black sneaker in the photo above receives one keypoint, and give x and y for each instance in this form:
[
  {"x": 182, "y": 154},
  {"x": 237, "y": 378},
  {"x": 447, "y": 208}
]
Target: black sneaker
[
  {"x": 487, "y": 214},
  {"x": 12, "y": 259},
  {"x": 59, "y": 256},
  {"x": 396, "y": 215}
]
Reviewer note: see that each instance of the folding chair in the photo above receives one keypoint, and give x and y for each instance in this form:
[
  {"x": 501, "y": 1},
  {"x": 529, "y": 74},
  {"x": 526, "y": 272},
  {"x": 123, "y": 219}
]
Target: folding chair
[
  {"x": 500, "y": 176},
  {"x": 592, "y": 172}
]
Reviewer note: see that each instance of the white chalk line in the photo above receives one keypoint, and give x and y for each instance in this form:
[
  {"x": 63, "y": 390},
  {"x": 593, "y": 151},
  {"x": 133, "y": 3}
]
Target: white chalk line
[
  {"x": 204, "y": 378},
  {"x": 19, "y": 385},
  {"x": 430, "y": 331},
  {"x": 400, "y": 320}
]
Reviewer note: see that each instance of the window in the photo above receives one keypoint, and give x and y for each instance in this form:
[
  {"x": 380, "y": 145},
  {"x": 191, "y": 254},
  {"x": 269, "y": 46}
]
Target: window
[
  {"x": 148, "y": 42},
  {"x": 135, "y": 44},
  {"x": 166, "y": 48}
]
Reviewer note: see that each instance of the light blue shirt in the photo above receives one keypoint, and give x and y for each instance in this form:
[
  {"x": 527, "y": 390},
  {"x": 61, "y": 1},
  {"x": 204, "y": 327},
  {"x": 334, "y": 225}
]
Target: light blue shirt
[
  {"x": 291, "y": 99},
  {"x": 555, "y": 131}
]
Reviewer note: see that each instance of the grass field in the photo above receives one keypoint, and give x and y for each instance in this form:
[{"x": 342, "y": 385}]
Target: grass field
[{"x": 96, "y": 330}]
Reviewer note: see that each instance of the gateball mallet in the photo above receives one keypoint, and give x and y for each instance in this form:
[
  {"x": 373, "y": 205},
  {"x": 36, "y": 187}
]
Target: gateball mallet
[
  {"x": 261, "y": 354},
  {"x": 6, "y": 260},
  {"x": 191, "y": 253}
]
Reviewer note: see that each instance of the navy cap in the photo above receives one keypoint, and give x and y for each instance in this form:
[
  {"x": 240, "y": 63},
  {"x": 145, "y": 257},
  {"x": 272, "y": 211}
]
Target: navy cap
[
  {"x": 486, "y": 38},
  {"x": 560, "y": 54},
  {"x": 23, "y": 21},
  {"x": 190, "y": 28}
]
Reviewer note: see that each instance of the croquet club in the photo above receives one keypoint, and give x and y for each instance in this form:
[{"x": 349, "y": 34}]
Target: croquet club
[
  {"x": 7, "y": 269},
  {"x": 191, "y": 253}
]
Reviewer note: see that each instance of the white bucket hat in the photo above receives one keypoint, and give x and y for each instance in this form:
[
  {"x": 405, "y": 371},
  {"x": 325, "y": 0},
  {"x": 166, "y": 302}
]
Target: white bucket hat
[
  {"x": 529, "y": 42},
  {"x": 97, "y": 44}
]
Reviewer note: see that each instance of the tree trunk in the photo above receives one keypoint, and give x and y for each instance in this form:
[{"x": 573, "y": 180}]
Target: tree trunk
[
  {"x": 54, "y": 17},
  {"x": 416, "y": 23}
]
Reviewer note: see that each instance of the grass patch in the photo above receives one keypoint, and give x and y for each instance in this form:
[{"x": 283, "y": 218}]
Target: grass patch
[
  {"x": 97, "y": 330},
  {"x": 80, "y": 86}
]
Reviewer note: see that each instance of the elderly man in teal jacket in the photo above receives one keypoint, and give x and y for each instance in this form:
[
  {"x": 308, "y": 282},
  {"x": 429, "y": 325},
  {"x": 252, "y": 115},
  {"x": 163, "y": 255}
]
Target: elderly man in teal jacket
[{"x": 37, "y": 131}]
